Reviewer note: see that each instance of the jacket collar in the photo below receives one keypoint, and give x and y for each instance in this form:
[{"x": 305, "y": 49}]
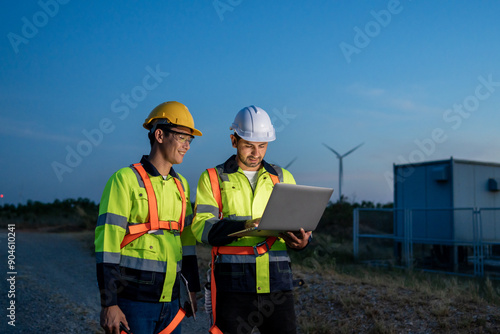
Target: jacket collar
[
  {"x": 231, "y": 166},
  {"x": 151, "y": 169}
]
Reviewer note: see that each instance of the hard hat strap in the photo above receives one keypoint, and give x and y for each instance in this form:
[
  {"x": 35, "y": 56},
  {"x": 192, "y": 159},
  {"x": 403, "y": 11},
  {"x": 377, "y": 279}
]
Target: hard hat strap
[{"x": 160, "y": 121}]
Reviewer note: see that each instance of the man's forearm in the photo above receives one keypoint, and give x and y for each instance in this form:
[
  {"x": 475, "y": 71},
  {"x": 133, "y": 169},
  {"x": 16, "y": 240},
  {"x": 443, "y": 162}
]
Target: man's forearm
[{"x": 218, "y": 235}]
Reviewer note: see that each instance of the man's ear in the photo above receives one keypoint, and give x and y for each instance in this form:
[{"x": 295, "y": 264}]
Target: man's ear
[
  {"x": 159, "y": 135},
  {"x": 234, "y": 141}
]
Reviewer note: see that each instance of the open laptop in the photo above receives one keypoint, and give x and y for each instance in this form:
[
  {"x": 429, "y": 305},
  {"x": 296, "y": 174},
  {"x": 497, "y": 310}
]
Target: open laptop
[{"x": 290, "y": 208}]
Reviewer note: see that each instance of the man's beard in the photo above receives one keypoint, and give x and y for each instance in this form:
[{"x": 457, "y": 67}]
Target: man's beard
[{"x": 249, "y": 164}]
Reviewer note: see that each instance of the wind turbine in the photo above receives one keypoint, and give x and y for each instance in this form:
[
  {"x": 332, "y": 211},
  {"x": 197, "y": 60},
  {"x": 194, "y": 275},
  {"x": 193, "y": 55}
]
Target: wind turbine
[
  {"x": 341, "y": 172},
  {"x": 290, "y": 163}
]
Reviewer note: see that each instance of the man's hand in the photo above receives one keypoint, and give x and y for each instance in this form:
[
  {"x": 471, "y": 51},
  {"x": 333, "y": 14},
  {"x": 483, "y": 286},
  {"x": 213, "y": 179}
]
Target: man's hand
[
  {"x": 296, "y": 240},
  {"x": 110, "y": 319},
  {"x": 252, "y": 223}
]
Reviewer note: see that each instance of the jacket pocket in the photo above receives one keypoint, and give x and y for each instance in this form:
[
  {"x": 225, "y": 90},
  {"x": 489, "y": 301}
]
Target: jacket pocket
[
  {"x": 140, "y": 208},
  {"x": 146, "y": 246},
  {"x": 231, "y": 199},
  {"x": 137, "y": 276}
]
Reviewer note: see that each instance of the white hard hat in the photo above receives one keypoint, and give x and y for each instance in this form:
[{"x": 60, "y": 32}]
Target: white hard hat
[{"x": 253, "y": 124}]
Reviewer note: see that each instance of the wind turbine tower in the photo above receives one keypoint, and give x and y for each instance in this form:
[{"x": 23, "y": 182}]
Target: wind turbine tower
[{"x": 341, "y": 172}]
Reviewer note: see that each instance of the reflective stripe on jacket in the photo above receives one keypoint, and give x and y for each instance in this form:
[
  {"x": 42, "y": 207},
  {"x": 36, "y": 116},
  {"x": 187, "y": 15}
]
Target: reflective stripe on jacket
[
  {"x": 242, "y": 273},
  {"x": 146, "y": 269}
]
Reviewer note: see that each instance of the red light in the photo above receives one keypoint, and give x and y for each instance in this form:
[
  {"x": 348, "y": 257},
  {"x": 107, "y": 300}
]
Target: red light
[{"x": 1, "y": 195}]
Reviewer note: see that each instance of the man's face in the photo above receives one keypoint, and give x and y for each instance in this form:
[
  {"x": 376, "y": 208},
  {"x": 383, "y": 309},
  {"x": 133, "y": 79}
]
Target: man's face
[
  {"x": 249, "y": 154},
  {"x": 175, "y": 144}
]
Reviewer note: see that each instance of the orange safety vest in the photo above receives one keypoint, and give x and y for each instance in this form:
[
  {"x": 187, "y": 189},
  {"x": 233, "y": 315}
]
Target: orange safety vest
[
  {"x": 258, "y": 249},
  {"x": 135, "y": 231}
]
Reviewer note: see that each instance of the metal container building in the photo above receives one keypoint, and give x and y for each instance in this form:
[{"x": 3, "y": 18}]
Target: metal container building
[{"x": 444, "y": 197}]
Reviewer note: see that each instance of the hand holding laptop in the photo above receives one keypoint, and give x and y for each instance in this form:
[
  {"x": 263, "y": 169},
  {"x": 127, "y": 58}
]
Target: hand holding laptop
[
  {"x": 296, "y": 240},
  {"x": 252, "y": 223}
]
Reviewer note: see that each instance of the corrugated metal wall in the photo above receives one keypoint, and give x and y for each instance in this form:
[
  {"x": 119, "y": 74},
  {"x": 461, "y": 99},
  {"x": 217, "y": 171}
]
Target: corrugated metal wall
[
  {"x": 427, "y": 186},
  {"x": 471, "y": 190}
]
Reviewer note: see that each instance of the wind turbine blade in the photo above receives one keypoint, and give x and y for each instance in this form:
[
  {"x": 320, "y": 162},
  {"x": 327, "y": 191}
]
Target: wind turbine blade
[
  {"x": 354, "y": 149},
  {"x": 331, "y": 149},
  {"x": 290, "y": 163}
]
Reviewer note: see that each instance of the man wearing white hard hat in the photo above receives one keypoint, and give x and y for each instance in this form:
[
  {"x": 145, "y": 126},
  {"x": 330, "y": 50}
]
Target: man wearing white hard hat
[{"x": 251, "y": 277}]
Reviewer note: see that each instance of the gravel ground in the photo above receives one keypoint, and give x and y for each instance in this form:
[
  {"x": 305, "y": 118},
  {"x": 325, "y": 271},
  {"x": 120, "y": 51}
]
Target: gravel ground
[
  {"x": 55, "y": 286},
  {"x": 56, "y": 292}
]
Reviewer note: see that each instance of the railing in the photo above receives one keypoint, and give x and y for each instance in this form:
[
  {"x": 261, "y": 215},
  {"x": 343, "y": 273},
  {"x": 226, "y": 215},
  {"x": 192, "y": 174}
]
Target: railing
[{"x": 407, "y": 241}]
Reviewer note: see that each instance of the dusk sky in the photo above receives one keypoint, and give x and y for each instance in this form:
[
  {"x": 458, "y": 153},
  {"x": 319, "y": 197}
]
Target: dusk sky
[{"x": 412, "y": 80}]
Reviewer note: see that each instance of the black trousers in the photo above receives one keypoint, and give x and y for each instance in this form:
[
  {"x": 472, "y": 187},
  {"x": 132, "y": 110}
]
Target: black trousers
[{"x": 271, "y": 313}]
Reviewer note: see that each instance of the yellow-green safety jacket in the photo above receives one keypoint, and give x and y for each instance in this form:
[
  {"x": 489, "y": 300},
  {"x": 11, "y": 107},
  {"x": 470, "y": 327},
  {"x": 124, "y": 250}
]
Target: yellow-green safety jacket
[
  {"x": 266, "y": 273},
  {"x": 147, "y": 269}
]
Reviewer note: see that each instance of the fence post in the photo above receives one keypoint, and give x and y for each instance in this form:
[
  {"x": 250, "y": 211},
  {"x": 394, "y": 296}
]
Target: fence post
[
  {"x": 355, "y": 233},
  {"x": 479, "y": 242},
  {"x": 408, "y": 238}
]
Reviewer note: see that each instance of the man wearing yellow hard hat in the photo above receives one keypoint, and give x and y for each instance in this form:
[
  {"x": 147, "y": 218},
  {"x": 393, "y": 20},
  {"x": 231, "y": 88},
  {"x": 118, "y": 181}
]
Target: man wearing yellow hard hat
[{"x": 144, "y": 245}]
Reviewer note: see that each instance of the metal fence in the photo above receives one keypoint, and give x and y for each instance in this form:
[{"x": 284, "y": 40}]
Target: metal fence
[{"x": 470, "y": 249}]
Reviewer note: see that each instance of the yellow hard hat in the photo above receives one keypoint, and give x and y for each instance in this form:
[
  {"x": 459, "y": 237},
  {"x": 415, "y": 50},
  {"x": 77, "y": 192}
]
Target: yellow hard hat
[{"x": 173, "y": 113}]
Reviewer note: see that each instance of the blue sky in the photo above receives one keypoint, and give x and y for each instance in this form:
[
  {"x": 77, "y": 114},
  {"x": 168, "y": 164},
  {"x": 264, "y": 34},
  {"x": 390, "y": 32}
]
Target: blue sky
[{"x": 412, "y": 80}]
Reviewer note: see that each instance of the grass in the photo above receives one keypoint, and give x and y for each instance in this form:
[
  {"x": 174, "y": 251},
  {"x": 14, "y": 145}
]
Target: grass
[{"x": 342, "y": 296}]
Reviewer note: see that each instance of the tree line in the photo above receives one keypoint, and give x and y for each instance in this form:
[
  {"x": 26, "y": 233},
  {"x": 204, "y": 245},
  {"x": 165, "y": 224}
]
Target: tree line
[
  {"x": 81, "y": 214},
  {"x": 65, "y": 215}
]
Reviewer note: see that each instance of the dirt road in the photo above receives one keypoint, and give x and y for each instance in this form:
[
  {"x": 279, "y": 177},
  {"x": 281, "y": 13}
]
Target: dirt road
[
  {"x": 55, "y": 286},
  {"x": 56, "y": 292}
]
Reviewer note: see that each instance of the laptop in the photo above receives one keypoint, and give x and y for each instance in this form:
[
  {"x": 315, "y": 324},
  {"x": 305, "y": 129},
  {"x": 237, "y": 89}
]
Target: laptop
[{"x": 290, "y": 208}]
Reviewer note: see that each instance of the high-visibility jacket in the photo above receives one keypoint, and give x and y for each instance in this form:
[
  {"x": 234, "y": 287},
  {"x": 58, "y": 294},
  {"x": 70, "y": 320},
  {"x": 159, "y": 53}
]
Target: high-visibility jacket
[
  {"x": 257, "y": 273},
  {"x": 146, "y": 269}
]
